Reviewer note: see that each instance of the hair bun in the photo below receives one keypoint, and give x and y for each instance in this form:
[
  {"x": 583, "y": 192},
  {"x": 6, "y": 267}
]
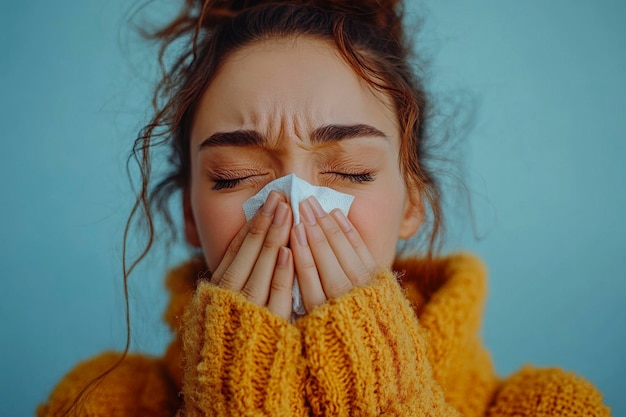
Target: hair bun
[
  {"x": 381, "y": 13},
  {"x": 195, "y": 14}
]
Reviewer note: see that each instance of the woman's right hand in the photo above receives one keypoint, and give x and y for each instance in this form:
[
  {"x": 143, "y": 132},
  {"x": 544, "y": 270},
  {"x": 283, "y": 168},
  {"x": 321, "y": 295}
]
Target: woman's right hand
[{"x": 257, "y": 262}]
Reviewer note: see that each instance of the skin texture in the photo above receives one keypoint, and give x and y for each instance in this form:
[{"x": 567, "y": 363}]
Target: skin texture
[{"x": 283, "y": 90}]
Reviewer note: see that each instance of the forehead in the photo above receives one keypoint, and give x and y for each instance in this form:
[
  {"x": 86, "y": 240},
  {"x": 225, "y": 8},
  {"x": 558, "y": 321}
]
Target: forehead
[{"x": 290, "y": 85}]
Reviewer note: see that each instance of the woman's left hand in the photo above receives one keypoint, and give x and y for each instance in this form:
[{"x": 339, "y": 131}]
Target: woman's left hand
[{"x": 329, "y": 255}]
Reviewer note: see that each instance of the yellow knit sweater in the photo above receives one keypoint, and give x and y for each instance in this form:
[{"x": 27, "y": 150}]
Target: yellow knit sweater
[{"x": 383, "y": 350}]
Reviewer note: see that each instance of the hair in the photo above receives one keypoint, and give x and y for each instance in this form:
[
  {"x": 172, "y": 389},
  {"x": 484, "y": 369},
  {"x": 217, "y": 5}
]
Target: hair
[{"x": 369, "y": 36}]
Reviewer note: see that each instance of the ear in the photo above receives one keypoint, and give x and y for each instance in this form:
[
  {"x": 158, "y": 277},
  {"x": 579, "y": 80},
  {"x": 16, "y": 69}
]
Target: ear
[
  {"x": 412, "y": 217},
  {"x": 191, "y": 231}
]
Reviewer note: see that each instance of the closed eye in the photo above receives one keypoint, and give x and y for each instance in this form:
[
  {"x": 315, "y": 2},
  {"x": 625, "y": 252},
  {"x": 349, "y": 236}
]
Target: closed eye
[
  {"x": 227, "y": 183},
  {"x": 356, "y": 178}
]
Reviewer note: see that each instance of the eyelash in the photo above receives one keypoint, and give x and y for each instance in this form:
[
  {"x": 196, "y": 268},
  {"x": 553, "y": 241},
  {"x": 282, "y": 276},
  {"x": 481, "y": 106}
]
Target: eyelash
[
  {"x": 228, "y": 183},
  {"x": 355, "y": 178}
]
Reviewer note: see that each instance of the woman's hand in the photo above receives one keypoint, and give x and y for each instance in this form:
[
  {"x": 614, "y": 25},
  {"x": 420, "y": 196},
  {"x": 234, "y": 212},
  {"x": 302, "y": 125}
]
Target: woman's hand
[
  {"x": 257, "y": 262},
  {"x": 329, "y": 255}
]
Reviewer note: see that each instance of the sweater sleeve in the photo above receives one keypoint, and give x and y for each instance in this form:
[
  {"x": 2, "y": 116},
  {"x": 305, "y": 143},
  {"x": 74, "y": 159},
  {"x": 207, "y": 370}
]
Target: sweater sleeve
[
  {"x": 366, "y": 356},
  {"x": 138, "y": 386},
  {"x": 547, "y": 393},
  {"x": 240, "y": 359}
]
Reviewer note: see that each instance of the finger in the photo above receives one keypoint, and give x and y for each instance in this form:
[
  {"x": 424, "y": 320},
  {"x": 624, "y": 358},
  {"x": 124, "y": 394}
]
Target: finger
[
  {"x": 351, "y": 263},
  {"x": 306, "y": 271},
  {"x": 231, "y": 251},
  {"x": 235, "y": 268},
  {"x": 334, "y": 280},
  {"x": 257, "y": 288},
  {"x": 280, "y": 301},
  {"x": 353, "y": 236}
]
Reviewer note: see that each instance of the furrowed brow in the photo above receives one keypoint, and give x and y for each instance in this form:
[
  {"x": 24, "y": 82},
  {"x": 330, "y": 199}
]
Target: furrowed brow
[
  {"x": 335, "y": 133},
  {"x": 234, "y": 138}
]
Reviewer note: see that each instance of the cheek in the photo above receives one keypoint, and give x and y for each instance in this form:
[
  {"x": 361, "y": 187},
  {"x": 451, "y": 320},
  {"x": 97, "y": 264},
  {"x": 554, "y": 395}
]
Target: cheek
[
  {"x": 378, "y": 223},
  {"x": 218, "y": 220}
]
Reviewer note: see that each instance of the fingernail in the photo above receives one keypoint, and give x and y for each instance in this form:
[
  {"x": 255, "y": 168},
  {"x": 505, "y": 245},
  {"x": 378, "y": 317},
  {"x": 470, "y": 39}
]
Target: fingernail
[
  {"x": 317, "y": 208},
  {"x": 342, "y": 220},
  {"x": 283, "y": 256},
  {"x": 281, "y": 214},
  {"x": 306, "y": 212},
  {"x": 300, "y": 235},
  {"x": 270, "y": 204}
]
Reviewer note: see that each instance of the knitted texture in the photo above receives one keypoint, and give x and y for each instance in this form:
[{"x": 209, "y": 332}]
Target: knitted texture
[
  {"x": 140, "y": 386},
  {"x": 181, "y": 283},
  {"x": 382, "y": 349},
  {"x": 240, "y": 359},
  {"x": 453, "y": 290},
  {"x": 546, "y": 393},
  {"x": 364, "y": 358}
]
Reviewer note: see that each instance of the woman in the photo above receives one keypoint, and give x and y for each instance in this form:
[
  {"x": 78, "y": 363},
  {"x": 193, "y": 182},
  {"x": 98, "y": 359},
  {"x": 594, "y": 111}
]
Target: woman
[{"x": 322, "y": 90}]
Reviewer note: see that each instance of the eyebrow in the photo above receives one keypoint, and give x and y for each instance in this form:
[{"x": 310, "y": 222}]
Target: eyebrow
[{"x": 321, "y": 135}]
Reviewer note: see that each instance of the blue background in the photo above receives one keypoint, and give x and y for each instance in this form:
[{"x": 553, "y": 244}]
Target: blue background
[{"x": 544, "y": 163}]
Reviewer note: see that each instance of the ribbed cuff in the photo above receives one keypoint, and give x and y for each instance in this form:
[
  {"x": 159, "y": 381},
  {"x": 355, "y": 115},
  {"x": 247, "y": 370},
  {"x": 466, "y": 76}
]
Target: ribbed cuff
[
  {"x": 366, "y": 357},
  {"x": 241, "y": 359}
]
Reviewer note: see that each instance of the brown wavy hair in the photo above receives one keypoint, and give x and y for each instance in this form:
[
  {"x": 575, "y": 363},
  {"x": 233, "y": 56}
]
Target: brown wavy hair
[{"x": 368, "y": 34}]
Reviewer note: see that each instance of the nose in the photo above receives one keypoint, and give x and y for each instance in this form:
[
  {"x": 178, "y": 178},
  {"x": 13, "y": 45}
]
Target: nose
[{"x": 301, "y": 170}]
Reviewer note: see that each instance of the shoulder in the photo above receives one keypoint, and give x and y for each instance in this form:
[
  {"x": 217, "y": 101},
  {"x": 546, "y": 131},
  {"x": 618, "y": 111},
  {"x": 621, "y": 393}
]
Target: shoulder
[
  {"x": 547, "y": 392},
  {"x": 139, "y": 385}
]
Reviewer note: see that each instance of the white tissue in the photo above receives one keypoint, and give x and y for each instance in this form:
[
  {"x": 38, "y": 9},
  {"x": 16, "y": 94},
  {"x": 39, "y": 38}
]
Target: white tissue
[{"x": 296, "y": 190}]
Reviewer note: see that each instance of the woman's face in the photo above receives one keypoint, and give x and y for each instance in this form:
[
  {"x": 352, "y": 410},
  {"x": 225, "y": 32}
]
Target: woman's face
[{"x": 278, "y": 107}]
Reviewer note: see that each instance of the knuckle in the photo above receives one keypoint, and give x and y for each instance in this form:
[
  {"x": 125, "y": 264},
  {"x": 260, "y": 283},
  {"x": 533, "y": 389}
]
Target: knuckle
[
  {"x": 235, "y": 244},
  {"x": 354, "y": 239},
  {"x": 333, "y": 232},
  {"x": 270, "y": 243},
  {"x": 232, "y": 250},
  {"x": 257, "y": 230},
  {"x": 238, "y": 239},
  {"x": 229, "y": 279},
  {"x": 323, "y": 219},
  {"x": 358, "y": 275},
  {"x": 352, "y": 272},
  {"x": 340, "y": 289},
  {"x": 250, "y": 293},
  {"x": 280, "y": 285},
  {"x": 316, "y": 238},
  {"x": 308, "y": 264}
]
